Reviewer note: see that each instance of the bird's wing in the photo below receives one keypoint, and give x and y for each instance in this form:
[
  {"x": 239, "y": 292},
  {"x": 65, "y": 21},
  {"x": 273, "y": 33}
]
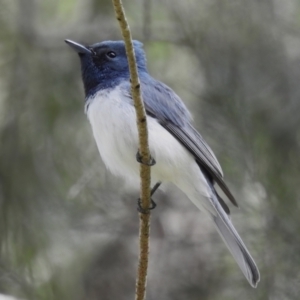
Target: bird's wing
[
  {"x": 204, "y": 156},
  {"x": 162, "y": 103}
]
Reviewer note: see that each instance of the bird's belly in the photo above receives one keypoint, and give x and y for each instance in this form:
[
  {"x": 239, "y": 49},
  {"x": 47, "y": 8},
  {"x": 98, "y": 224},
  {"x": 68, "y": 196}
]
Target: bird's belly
[
  {"x": 113, "y": 122},
  {"x": 115, "y": 132}
]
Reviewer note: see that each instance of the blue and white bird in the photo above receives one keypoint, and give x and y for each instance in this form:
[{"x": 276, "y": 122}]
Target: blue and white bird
[{"x": 181, "y": 154}]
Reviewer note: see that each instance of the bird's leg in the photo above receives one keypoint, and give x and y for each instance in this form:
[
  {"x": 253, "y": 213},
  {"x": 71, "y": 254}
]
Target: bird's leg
[
  {"x": 139, "y": 159},
  {"x": 157, "y": 185},
  {"x": 151, "y": 163},
  {"x": 153, "y": 204}
]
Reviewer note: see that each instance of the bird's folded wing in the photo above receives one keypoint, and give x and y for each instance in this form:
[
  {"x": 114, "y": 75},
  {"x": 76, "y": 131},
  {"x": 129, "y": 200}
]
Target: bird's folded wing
[{"x": 193, "y": 141}]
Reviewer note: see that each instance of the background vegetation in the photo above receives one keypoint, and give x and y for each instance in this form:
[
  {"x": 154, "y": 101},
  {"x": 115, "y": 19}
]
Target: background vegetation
[{"x": 68, "y": 229}]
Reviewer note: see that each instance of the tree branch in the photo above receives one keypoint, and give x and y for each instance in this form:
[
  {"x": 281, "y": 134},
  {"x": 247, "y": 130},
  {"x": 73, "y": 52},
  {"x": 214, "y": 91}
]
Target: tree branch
[{"x": 143, "y": 149}]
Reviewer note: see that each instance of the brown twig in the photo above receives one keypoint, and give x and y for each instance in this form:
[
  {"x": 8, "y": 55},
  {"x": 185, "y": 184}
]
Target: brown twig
[{"x": 143, "y": 149}]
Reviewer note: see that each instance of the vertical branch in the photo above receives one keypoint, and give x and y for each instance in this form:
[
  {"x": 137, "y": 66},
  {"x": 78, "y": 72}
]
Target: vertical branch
[{"x": 144, "y": 151}]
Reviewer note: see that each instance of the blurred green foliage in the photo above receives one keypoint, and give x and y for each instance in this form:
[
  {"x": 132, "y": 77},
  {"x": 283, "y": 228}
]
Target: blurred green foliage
[{"x": 68, "y": 229}]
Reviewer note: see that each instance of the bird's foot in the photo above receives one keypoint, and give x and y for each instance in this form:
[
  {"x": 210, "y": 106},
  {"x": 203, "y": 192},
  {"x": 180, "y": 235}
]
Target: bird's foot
[
  {"x": 145, "y": 211},
  {"x": 139, "y": 159},
  {"x": 153, "y": 204}
]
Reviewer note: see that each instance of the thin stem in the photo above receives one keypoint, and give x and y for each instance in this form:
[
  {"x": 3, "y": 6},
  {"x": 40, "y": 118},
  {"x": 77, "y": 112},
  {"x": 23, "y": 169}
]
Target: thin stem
[{"x": 143, "y": 149}]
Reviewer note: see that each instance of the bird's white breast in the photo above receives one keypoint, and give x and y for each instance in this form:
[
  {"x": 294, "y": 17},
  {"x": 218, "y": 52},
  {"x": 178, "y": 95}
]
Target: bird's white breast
[{"x": 113, "y": 123}]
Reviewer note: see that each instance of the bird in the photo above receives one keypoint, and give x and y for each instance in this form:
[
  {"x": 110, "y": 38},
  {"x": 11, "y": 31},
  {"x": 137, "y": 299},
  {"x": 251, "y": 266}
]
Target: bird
[{"x": 181, "y": 154}]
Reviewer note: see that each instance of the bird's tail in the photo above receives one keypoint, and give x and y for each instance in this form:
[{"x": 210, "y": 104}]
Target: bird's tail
[{"x": 237, "y": 247}]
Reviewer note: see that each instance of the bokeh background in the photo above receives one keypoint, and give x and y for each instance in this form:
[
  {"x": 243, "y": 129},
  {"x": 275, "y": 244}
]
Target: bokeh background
[{"x": 68, "y": 229}]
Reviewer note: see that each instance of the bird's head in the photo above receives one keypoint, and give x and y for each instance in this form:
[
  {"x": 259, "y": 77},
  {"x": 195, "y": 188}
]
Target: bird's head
[{"x": 105, "y": 65}]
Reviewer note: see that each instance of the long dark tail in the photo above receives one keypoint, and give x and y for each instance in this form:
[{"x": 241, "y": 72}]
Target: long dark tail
[{"x": 237, "y": 247}]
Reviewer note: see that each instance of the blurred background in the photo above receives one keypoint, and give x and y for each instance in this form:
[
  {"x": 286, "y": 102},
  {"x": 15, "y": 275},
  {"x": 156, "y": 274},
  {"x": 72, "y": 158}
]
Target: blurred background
[{"x": 69, "y": 229}]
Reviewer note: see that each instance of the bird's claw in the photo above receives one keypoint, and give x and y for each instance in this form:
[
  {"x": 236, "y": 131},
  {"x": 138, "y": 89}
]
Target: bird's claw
[
  {"x": 145, "y": 211},
  {"x": 139, "y": 159}
]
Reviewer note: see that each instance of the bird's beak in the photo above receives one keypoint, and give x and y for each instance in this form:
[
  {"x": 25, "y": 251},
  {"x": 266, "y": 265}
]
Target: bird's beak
[{"x": 80, "y": 49}]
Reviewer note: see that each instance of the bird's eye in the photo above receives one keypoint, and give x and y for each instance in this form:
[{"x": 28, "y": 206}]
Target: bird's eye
[{"x": 111, "y": 54}]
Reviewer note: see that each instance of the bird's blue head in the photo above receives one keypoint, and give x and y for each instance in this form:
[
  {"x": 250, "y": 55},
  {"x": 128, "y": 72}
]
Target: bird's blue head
[{"x": 104, "y": 65}]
